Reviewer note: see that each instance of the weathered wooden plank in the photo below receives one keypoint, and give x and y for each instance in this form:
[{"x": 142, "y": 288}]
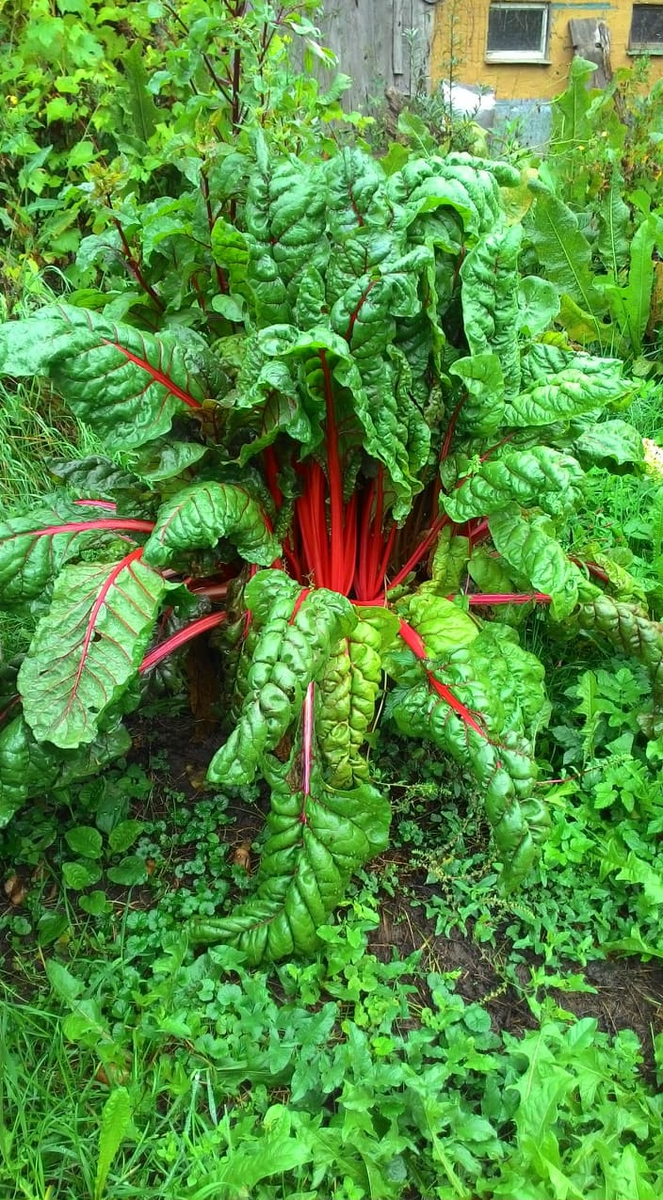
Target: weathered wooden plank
[
  {"x": 380, "y": 44},
  {"x": 590, "y": 39}
]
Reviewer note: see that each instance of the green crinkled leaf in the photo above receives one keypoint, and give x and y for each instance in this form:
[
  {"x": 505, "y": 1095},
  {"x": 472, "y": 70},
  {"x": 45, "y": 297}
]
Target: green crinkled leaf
[
  {"x": 449, "y": 561},
  {"x": 540, "y": 476},
  {"x": 538, "y": 304},
  {"x": 167, "y": 459},
  {"x": 482, "y": 411},
  {"x": 490, "y": 300},
  {"x": 469, "y": 186},
  {"x": 200, "y": 515},
  {"x": 610, "y": 441},
  {"x": 346, "y": 696},
  {"x": 489, "y": 571},
  {"x": 231, "y": 250},
  {"x": 442, "y": 625},
  {"x": 285, "y": 219},
  {"x": 125, "y": 383},
  {"x": 314, "y": 844},
  {"x": 88, "y": 647},
  {"x": 32, "y": 551},
  {"x": 291, "y": 651},
  {"x": 590, "y": 383},
  {"x": 25, "y": 766},
  {"x": 533, "y": 551},
  {"x": 96, "y": 476},
  {"x": 29, "y": 769}
]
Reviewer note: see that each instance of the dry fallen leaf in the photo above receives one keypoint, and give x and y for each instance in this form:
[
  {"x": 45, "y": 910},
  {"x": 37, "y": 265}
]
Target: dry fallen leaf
[
  {"x": 15, "y": 889},
  {"x": 241, "y": 856},
  {"x": 111, "y": 1074}
]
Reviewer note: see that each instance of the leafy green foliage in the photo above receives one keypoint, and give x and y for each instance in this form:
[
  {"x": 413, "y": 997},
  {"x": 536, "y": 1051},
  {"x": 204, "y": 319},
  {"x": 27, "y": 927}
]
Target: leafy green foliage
[{"x": 345, "y": 279}]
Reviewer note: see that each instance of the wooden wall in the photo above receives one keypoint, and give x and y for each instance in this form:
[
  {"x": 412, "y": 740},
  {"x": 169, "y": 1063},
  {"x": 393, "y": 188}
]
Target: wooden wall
[{"x": 381, "y": 44}]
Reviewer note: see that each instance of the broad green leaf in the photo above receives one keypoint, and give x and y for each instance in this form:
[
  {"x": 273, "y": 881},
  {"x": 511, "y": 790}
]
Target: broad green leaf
[
  {"x": 490, "y": 300},
  {"x": 564, "y": 252},
  {"x": 540, "y": 476},
  {"x": 532, "y": 550},
  {"x": 588, "y": 384},
  {"x": 130, "y": 871},
  {"x": 230, "y": 248},
  {"x": 125, "y": 383},
  {"x": 293, "y": 645},
  {"x": 630, "y": 305},
  {"x": 499, "y": 755},
  {"x": 79, "y": 875},
  {"x": 85, "y": 840},
  {"x": 64, "y": 984},
  {"x": 95, "y": 903},
  {"x": 614, "y": 225},
  {"x": 244, "y": 1166},
  {"x": 26, "y": 768},
  {"x": 200, "y": 515},
  {"x": 124, "y": 835},
  {"x": 610, "y": 442},
  {"x": 115, "y": 1121},
  {"x": 142, "y": 109},
  {"x": 449, "y": 561},
  {"x": 482, "y": 411},
  {"x": 166, "y": 460},
  {"x": 34, "y": 547},
  {"x": 442, "y": 625},
  {"x": 346, "y": 695},
  {"x": 636, "y": 636},
  {"x": 50, "y": 927},
  {"x": 538, "y": 304},
  {"x": 314, "y": 844},
  {"x": 29, "y": 769},
  {"x": 285, "y": 218},
  {"x": 570, "y": 109},
  {"x": 88, "y": 647}
]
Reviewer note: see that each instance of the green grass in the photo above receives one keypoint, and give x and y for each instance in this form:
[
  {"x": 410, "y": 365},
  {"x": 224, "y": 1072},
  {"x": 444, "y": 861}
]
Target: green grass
[{"x": 35, "y": 430}]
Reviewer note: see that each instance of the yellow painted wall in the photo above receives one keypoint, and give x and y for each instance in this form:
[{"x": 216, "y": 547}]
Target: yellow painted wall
[{"x": 461, "y": 27}]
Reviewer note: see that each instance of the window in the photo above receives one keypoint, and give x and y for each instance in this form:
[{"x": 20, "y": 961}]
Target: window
[
  {"x": 647, "y": 29},
  {"x": 517, "y": 33}
]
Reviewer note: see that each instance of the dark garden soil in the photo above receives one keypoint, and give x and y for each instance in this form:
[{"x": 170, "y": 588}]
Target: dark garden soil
[{"x": 628, "y": 993}]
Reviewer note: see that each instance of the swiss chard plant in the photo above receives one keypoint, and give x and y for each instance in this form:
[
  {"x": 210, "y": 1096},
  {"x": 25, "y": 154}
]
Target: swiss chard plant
[{"x": 381, "y": 453}]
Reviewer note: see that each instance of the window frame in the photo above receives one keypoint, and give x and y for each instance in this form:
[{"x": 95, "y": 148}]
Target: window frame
[
  {"x": 643, "y": 47},
  {"x": 521, "y": 56}
]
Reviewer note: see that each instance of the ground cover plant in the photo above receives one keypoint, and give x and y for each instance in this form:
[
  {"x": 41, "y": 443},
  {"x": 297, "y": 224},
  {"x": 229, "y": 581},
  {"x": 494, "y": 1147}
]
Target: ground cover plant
[{"x": 354, "y": 1073}]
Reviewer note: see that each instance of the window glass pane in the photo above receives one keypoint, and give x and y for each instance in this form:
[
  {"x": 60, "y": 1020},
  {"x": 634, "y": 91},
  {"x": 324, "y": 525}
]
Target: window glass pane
[
  {"x": 515, "y": 28},
  {"x": 647, "y": 25}
]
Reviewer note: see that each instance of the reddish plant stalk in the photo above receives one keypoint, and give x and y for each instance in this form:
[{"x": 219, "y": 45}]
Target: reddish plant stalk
[
  {"x": 135, "y": 268},
  {"x": 478, "y": 598},
  {"x": 94, "y": 613},
  {"x": 415, "y": 643},
  {"x": 298, "y": 603},
  {"x": 97, "y": 504},
  {"x": 101, "y": 524},
  {"x": 307, "y": 748},
  {"x": 421, "y": 550},
  {"x": 171, "y": 644},
  {"x": 335, "y": 483},
  {"x": 156, "y": 374}
]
